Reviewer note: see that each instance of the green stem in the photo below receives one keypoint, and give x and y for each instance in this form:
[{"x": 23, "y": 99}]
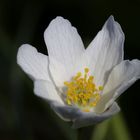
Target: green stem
[
  {"x": 120, "y": 128},
  {"x": 100, "y": 131}
]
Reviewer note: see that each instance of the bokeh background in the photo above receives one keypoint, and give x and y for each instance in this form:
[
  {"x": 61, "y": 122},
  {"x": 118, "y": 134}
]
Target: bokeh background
[{"x": 23, "y": 116}]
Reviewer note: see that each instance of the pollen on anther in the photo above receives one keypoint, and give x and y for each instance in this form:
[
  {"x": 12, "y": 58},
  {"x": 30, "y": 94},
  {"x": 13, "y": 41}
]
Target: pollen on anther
[
  {"x": 86, "y": 70},
  {"x": 82, "y": 91},
  {"x": 100, "y": 87}
]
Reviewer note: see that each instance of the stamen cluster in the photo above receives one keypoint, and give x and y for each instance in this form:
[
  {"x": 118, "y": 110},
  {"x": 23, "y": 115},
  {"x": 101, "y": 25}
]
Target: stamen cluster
[{"x": 82, "y": 91}]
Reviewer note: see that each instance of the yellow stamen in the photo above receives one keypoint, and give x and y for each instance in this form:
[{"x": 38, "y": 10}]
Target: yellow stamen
[
  {"x": 100, "y": 88},
  {"x": 86, "y": 70},
  {"x": 82, "y": 91},
  {"x": 86, "y": 110}
]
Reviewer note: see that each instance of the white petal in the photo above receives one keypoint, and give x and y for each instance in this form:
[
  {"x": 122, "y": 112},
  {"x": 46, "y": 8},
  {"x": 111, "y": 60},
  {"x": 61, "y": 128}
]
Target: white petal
[
  {"x": 86, "y": 119},
  {"x": 64, "y": 46},
  {"x": 46, "y": 90},
  {"x": 105, "y": 51},
  {"x": 65, "y": 112},
  {"x": 81, "y": 119},
  {"x": 33, "y": 63},
  {"x": 121, "y": 78}
]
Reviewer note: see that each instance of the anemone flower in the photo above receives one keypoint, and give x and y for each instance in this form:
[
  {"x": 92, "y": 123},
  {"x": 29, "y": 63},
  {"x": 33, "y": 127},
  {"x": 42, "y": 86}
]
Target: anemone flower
[{"x": 81, "y": 85}]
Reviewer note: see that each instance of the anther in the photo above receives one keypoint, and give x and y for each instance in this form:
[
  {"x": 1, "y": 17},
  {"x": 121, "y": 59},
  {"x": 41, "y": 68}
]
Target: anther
[{"x": 82, "y": 91}]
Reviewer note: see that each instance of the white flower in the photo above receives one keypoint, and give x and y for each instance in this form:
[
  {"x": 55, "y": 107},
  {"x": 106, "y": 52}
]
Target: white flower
[{"x": 83, "y": 97}]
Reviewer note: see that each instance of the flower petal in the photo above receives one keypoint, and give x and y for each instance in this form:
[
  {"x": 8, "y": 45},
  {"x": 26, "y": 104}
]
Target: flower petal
[
  {"x": 47, "y": 91},
  {"x": 64, "y": 46},
  {"x": 105, "y": 51},
  {"x": 81, "y": 119},
  {"x": 121, "y": 78},
  {"x": 65, "y": 112},
  {"x": 33, "y": 63},
  {"x": 86, "y": 119}
]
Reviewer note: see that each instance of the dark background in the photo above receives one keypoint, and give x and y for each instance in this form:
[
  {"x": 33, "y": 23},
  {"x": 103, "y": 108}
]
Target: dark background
[{"x": 23, "y": 116}]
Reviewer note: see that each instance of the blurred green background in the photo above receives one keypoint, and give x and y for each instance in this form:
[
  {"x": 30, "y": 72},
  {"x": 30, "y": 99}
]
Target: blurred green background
[{"x": 23, "y": 116}]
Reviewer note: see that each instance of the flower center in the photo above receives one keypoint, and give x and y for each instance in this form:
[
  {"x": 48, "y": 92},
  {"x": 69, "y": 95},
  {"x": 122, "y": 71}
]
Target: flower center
[{"x": 82, "y": 91}]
